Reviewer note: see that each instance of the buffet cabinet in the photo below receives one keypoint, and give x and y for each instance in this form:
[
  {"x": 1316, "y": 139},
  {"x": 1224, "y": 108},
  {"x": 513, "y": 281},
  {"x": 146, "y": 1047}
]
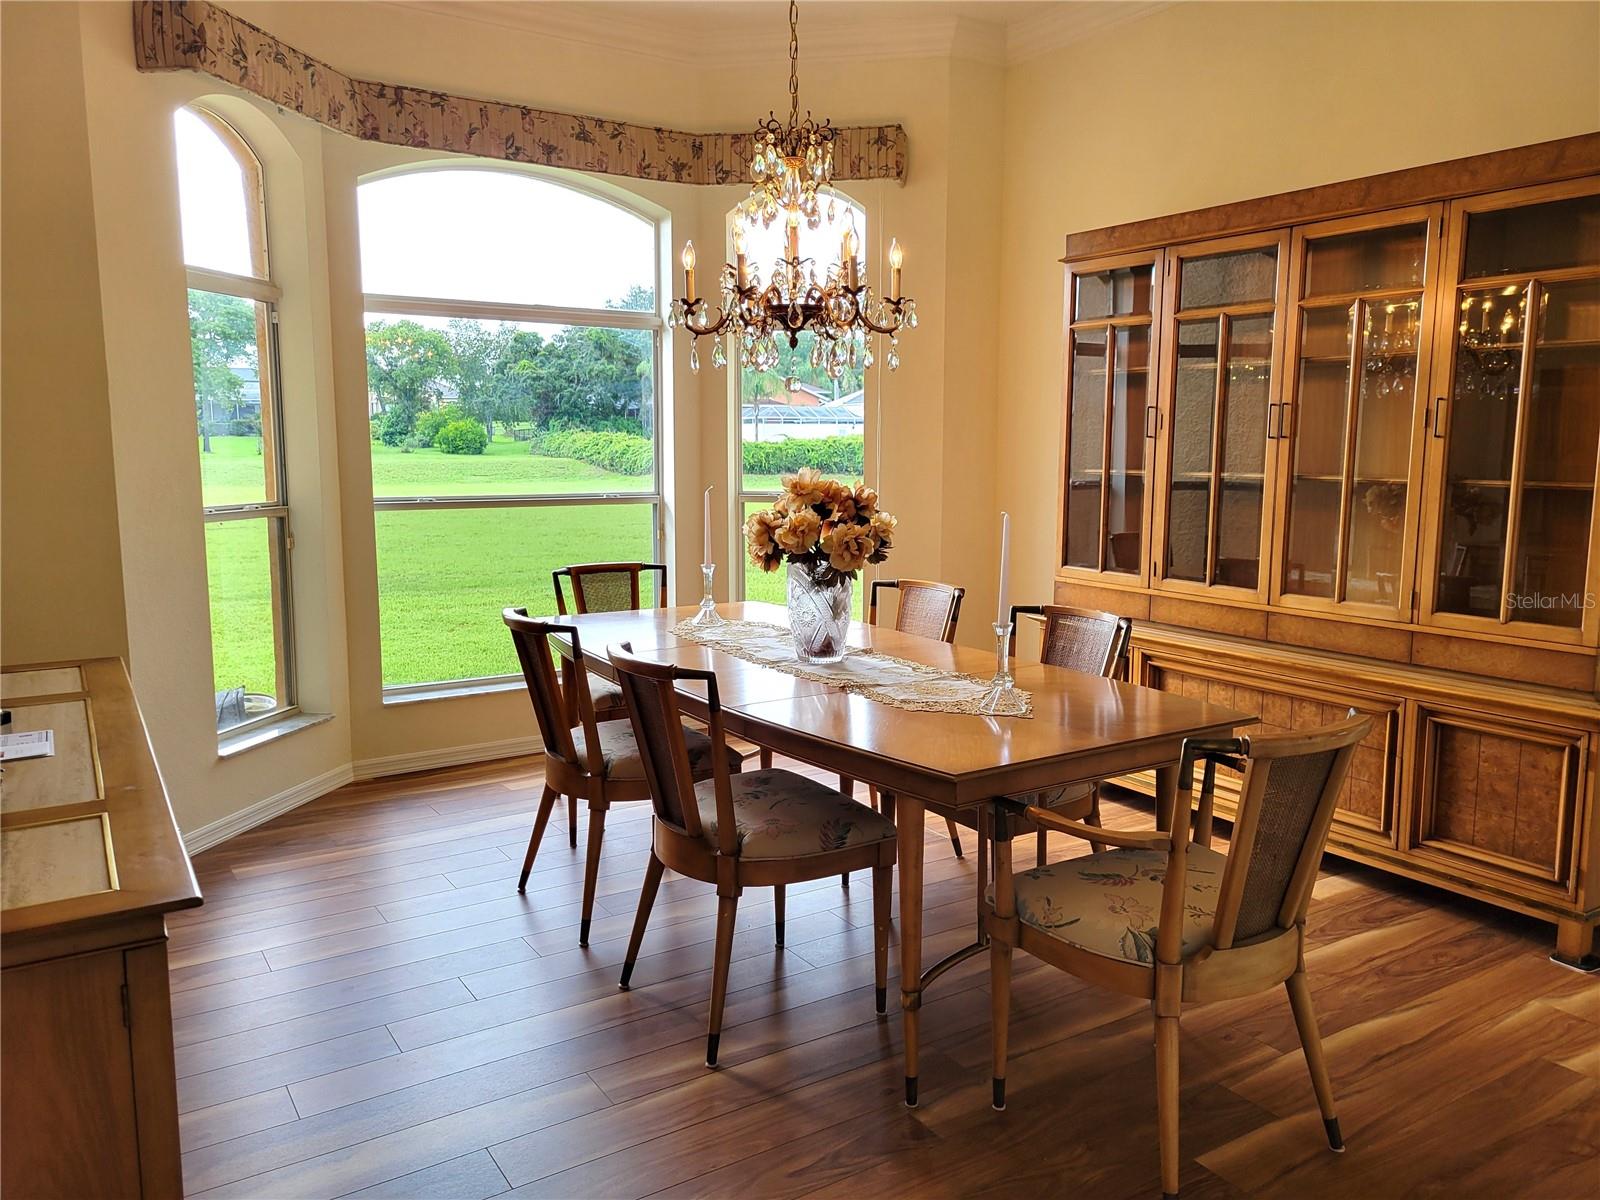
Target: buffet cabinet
[{"x": 1338, "y": 449}]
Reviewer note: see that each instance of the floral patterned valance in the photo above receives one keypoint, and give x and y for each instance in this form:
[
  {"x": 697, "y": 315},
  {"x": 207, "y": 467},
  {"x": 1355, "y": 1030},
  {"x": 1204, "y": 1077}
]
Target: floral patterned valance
[{"x": 171, "y": 35}]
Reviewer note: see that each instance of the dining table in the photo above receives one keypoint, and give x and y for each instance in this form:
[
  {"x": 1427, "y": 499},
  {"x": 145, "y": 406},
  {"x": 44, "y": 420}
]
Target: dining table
[{"x": 1082, "y": 728}]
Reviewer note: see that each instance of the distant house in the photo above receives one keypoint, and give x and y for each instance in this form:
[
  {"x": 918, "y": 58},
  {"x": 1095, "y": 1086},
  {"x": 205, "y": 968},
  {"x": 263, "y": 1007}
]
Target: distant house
[
  {"x": 765, "y": 421},
  {"x": 248, "y": 404}
]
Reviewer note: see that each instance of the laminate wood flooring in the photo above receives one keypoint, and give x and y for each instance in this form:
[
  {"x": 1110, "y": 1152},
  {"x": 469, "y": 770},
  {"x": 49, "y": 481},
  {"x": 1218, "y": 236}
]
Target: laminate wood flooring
[{"x": 366, "y": 1007}]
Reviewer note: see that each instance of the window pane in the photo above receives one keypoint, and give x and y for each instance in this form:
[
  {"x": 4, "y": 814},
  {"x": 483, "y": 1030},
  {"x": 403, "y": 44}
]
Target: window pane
[
  {"x": 461, "y": 407},
  {"x": 1368, "y": 259},
  {"x": 215, "y": 200},
  {"x": 1240, "y": 277},
  {"x": 444, "y": 576},
  {"x": 801, "y": 419},
  {"x": 242, "y": 561},
  {"x": 772, "y": 586},
  {"x": 1534, "y": 237},
  {"x": 1120, "y": 292},
  {"x": 226, "y": 335},
  {"x": 503, "y": 236}
]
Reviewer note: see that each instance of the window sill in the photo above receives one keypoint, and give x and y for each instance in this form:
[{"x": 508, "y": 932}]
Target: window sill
[
  {"x": 231, "y": 744},
  {"x": 455, "y": 690}
]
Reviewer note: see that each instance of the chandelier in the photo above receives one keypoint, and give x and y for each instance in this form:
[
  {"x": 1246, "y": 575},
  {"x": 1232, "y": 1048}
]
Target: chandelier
[{"x": 792, "y": 170}]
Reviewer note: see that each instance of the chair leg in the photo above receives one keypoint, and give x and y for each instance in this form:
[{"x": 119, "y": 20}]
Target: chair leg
[
  {"x": 1000, "y": 1014},
  {"x": 1094, "y": 819},
  {"x": 872, "y": 797},
  {"x": 572, "y": 821},
  {"x": 1167, "y": 1102},
  {"x": 985, "y": 819},
  {"x": 778, "y": 897},
  {"x": 955, "y": 837},
  {"x": 647, "y": 899},
  {"x": 1041, "y": 852},
  {"x": 1305, "y": 1021},
  {"x": 766, "y": 759},
  {"x": 591, "y": 868},
  {"x": 882, "y": 899},
  {"x": 727, "y": 908},
  {"x": 848, "y": 787},
  {"x": 546, "y": 803}
]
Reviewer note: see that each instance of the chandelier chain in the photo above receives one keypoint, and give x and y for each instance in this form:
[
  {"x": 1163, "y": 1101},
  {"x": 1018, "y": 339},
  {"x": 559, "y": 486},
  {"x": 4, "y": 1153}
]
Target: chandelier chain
[{"x": 794, "y": 63}]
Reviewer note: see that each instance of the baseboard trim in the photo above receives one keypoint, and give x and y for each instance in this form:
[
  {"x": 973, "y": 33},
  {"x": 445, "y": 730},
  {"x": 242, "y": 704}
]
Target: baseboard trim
[
  {"x": 263, "y": 811},
  {"x": 445, "y": 756}
]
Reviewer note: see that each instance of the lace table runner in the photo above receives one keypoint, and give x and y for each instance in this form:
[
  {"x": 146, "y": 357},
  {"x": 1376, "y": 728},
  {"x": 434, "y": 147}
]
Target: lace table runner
[{"x": 882, "y": 678}]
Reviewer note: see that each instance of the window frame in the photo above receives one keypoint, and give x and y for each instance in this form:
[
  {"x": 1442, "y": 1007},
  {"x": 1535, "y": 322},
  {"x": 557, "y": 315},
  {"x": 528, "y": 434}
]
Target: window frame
[
  {"x": 274, "y": 511},
  {"x": 388, "y": 305}
]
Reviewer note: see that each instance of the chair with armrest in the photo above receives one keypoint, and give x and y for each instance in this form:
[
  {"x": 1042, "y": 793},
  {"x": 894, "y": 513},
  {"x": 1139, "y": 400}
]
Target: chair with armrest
[
  {"x": 1170, "y": 919},
  {"x": 587, "y": 760},
  {"x": 765, "y": 828}
]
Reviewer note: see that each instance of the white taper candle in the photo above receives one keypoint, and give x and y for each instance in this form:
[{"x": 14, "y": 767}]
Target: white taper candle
[
  {"x": 705, "y": 556},
  {"x": 1004, "y": 613}
]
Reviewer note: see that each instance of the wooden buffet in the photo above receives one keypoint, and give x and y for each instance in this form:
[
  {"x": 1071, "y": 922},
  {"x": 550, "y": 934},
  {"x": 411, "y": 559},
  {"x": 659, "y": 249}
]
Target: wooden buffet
[
  {"x": 1338, "y": 448},
  {"x": 90, "y": 863}
]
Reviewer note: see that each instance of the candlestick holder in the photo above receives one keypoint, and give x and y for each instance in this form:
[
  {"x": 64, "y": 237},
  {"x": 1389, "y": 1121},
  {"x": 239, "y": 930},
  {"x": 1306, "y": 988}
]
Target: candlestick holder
[
  {"x": 708, "y": 614},
  {"x": 1001, "y": 699}
]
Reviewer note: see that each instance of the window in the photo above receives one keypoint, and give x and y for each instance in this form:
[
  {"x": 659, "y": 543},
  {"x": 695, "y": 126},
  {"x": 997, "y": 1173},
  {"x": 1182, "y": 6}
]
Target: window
[
  {"x": 238, "y": 419},
  {"x": 796, "y": 415},
  {"x": 512, "y": 348}
]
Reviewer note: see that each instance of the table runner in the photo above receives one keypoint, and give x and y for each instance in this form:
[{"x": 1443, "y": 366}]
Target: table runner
[{"x": 882, "y": 678}]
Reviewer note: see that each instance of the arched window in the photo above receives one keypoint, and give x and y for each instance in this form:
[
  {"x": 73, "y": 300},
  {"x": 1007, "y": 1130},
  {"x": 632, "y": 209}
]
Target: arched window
[
  {"x": 797, "y": 415},
  {"x": 512, "y": 349},
  {"x": 238, "y": 419}
]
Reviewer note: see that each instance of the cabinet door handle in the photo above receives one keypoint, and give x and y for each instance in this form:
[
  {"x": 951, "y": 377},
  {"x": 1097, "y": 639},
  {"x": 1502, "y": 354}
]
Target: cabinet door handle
[
  {"x": 1441, "y": 409},
  {"x": 1152, "y": 420},
  {"x": 1272, "y": 417}
]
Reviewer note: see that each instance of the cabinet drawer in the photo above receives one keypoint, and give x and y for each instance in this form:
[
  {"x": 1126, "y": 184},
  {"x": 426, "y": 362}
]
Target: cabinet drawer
[
  {"x": 1497, "y": 797},
  {"x": 1366, "y": 808}
]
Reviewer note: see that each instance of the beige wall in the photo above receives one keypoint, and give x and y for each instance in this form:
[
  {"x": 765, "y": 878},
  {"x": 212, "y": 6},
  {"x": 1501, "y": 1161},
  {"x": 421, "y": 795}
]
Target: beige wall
[
  {"x": 1190, "y": 106},
  {"x": 1201, "y": 104},
  {"x": 60, "y": 568}
]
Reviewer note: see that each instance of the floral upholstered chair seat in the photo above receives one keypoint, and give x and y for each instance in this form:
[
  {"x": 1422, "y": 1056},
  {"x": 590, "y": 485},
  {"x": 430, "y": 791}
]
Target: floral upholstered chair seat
[
  {"x": 1109, "y": 903},
  {"x": 784, "y": 815},
  {"x": 619, "y": 753},
  {"x": 1054, "y": 797},
  {"x": 607, "y": 697}
]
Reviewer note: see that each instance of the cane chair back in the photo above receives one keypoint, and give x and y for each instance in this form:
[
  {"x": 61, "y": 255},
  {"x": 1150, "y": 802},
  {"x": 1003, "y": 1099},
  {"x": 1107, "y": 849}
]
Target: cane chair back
[
  {"x": 532, "y": 640},
  {"x": 1286, "y": 807},
  {"x": 1079, "y": 639},
  {"x": 607, "y": 587},
  {"x": 926, "y": 609}
]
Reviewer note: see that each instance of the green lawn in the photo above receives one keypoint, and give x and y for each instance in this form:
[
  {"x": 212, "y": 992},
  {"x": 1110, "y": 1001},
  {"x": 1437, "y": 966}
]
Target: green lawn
[{"x": 442, "y": 576}]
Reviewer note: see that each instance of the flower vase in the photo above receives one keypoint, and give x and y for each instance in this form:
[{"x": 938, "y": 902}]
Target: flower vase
[{"x": 819, "y": 614}]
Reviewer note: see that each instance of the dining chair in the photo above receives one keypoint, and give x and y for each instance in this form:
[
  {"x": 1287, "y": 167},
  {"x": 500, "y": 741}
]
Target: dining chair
[
  {"x": 1165, "y": 917},
  {"x": 1079, "y": 639},
  {"x": 603, "y": 587},
  {"x": 591, "y": 760},
  {"x": 767, "y": 828},
  {"x": 927, "y": 609}
]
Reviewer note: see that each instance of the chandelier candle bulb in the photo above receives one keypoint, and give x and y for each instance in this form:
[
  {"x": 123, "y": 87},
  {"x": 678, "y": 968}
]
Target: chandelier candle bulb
[
  {"x": 688, "y": 271},
  {"x": 897, "y": 256},
  {"x": 739, "y": 258},
  {"x": 847, "y": 255}
]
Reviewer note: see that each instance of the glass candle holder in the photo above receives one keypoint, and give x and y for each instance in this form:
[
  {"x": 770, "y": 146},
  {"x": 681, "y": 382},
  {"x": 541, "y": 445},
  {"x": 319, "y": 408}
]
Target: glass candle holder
[
  {"x": 708, "y": 614},
  {"x": 1001, "y": 698}
]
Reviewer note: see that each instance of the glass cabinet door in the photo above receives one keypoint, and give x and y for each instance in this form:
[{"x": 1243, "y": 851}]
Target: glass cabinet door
[
  {"x": 1346, "y": 428},
  {"x": 1516, "y": 421},
  {"x": 1221, "y": 352},
  {"x": 1110, "y": 414}
]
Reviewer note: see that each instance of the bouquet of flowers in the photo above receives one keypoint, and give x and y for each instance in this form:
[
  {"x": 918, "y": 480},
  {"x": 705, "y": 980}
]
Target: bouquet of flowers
[{"x": 828, "y": 528}]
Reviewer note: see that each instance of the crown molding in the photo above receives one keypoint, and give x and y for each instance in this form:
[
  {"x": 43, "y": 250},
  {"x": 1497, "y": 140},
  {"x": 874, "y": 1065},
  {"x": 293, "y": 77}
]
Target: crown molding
[{"x": 1056, "y": 26}]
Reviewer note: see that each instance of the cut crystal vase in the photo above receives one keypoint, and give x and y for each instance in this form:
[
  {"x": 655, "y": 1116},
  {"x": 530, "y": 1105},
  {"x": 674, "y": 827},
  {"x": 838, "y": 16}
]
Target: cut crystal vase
[{"x": 819, "y": 615}]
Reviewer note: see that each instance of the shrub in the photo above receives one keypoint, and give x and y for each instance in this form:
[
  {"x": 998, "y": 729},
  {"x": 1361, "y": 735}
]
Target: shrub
[
  {"x": 430, "y": 422},
  {"x": 462, "y": 437},
  {"x": 844, "y": 456},
  {"x": 619, "y": 453},
  {"x": 394, "y": 427},
  {"x": 375, "y": 424}
]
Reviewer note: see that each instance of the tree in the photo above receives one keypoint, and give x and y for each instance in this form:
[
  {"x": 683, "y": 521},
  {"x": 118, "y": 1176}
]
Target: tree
[
  {"x": 408, "y": 365},
  {"x": 222, "y": 335},
  {"x": 478, "y": 348},
  {"x": 513, "y": 376},
  {"x": 585, "y": 378}
]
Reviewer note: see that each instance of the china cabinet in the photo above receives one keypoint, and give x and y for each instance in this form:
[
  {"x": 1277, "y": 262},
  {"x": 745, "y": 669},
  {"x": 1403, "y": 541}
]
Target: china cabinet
[{"x": 1338, "y": 449}]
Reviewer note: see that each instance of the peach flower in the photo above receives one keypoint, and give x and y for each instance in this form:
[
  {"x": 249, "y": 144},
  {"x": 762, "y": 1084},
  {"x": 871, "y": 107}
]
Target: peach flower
[
  {"x": 803, "y": 489},
  {"x": 848, "y": 546},
  {"x": 759, "y": 541},
  {"x": 799, "y": 533}
]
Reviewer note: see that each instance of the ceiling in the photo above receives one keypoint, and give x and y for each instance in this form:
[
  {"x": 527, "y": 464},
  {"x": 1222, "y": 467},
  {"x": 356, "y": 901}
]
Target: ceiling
[{"x": 690, "y": 30}]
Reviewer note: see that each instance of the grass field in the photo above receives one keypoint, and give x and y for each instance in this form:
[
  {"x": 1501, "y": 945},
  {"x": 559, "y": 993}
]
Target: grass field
[{"x": 442, "y": 576}]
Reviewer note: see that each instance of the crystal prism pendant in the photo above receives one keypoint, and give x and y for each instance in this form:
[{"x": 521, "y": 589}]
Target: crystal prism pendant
[{"x": 694, "y": 356}]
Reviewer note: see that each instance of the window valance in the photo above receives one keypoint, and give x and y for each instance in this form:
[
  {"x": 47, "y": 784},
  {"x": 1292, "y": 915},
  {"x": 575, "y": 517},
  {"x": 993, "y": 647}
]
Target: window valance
[{"x": 170, "y": 35}]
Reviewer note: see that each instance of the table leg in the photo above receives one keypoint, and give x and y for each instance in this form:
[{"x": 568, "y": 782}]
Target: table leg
[
  {"x": 908, "y": 813},
  {"x": 1166, "y": 795}
]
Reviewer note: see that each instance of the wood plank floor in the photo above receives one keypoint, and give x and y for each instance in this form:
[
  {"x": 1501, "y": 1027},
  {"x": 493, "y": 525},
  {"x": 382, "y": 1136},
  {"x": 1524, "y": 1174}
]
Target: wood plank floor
[{"x": 366, "y": 1007}]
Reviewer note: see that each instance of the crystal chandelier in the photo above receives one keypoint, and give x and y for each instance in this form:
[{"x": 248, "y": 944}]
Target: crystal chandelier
[{"x": 792, "y": 169}]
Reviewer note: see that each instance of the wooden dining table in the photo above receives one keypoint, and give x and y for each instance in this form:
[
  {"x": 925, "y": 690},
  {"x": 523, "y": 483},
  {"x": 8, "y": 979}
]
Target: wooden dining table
[{"x": 1083, "y": 728}]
